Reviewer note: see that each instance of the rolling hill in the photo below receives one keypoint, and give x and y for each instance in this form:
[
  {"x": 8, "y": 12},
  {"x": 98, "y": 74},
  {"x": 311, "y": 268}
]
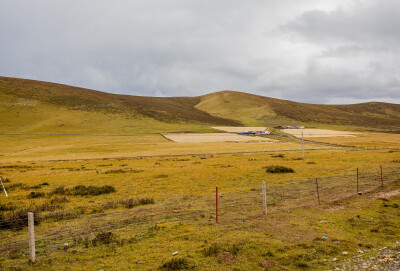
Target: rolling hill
[
  {"x": 258, "y": 110},
  {"x": 29, "y": 106}
]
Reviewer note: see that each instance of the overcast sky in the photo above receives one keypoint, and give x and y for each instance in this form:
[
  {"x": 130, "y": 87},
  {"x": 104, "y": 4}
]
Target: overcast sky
[{"x": 318, "y": 51}]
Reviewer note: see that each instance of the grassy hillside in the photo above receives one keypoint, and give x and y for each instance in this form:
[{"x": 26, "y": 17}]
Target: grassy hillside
[
  {"x": 29, "y": 106},
  {"x": 257, "y": 110}
]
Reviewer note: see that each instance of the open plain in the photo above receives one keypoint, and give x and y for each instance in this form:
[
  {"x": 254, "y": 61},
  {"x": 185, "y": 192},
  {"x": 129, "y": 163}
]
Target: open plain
[
  {"x": 318, "y": 133},
  {"x": 110, "y": 192},
  {"x": 235, "y": 129},
  {"x": 214, "y": 137}
]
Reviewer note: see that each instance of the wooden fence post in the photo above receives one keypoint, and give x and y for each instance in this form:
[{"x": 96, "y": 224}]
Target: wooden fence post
[
  {"x": 216, "y": 204},
  {"x": 381, "y": 176},
  {"x": 302, "y": 145},
  {"x": 31, "y": 236},
  {"x": 316, "y": 182},
  {"x": 264, "y": 198},
  {"x": 357, "y": 183}
]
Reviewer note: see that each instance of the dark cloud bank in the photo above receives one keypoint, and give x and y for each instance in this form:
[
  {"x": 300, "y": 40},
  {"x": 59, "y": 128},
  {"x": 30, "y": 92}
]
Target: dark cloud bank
[{"x": 318, "y": 51}]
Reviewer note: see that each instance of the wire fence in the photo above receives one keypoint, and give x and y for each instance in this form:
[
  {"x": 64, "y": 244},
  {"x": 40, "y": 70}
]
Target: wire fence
[{"x": 234, "y": 207}]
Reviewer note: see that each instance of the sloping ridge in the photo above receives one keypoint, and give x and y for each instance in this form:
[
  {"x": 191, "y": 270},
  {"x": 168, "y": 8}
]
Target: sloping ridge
[
  {"x": 229, "y": 108},
  {"x": 253, "y": 109},
  {"x": 180, "y": 109}
]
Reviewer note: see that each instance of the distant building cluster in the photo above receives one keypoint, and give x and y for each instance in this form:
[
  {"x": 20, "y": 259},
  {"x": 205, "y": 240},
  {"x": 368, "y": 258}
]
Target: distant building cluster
[
  {"x": 255, "y": 133},
  {"x": 289, "y": 127}
]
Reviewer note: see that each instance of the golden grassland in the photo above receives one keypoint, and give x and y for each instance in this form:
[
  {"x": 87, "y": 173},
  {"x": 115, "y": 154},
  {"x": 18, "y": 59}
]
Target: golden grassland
[
  {"x": 182, "y": 217},
  {"x": 66, "y": 147},
  {"x": 368, "y": 140},
  {"x": 54, "y": 136}
]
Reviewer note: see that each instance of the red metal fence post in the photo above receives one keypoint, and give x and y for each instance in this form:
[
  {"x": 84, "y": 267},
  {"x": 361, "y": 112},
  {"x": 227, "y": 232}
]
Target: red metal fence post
[{"x": 381, "y": 177}]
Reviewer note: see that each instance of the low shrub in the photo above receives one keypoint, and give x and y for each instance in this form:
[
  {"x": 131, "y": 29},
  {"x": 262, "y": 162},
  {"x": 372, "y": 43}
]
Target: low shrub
[
  {"x": 116, "y": 171},
  {"x": 215, "y": 249},
  {"x": 212, "y": 250},
  {"x": 161, "y": 176},
  {"x": 104, "y": 238},
  {"x": 47, "y": 207},
  {"x": 17, "y": 220},
  {"x": 176, "y": 264},
  {"x": 279, "y": 169},
  {"x": 5, "y": 180},
  {"x": 58, "y": 200},
  {"x": 7, "y": 207},
  {"x": 18, "y": 185},
  {"x": 34, "y": 195},
  {"x": 130, "y": 203},
  {"x": 59, "y": 191},
  {"x": 82, "y": 190},
  {"x": 145, "y": 201}
]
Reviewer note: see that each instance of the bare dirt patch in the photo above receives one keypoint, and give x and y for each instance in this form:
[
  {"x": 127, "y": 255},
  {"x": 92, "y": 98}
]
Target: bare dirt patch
[
  {"x": 226, "y": 257},
  {"x": 318, "y": 133},
  {"x": 214, "y": 137},
  {"x": 385, "y": 195},
  {"x": 233, "y": 129}
]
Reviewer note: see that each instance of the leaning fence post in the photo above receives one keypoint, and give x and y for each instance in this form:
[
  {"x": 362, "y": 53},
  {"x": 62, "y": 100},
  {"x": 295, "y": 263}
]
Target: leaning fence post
[
  {"x": 31, "y": 235},
  {"x": 316, "y": 182},
  {"x": 264, "y": 198}
]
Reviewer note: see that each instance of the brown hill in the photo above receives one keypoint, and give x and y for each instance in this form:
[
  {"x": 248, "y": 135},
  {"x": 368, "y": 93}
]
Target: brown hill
[{"x": 221, "y": 108}]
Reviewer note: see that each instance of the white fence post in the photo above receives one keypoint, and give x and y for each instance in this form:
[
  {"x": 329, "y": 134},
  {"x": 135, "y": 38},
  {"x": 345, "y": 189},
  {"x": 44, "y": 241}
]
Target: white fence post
[
  {"x": 264, "y": 198},
  {"x": 31, "y": 235}
]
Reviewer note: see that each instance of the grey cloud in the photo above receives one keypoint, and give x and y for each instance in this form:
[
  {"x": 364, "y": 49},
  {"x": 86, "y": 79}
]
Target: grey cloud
[
  {"x": 374, "y": 22},
  {"x": 325, "y": 49},
  {"x": 358, "y": 51}
]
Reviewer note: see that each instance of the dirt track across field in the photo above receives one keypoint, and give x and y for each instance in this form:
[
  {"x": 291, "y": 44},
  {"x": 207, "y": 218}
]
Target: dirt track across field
[
  {"x": 215, "y": 137},
  {"x": 318, "y": 133},
  {"x": 233, "y": 129}
]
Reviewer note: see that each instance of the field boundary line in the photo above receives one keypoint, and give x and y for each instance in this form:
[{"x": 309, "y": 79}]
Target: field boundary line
[{"x": 200, "y": 154}]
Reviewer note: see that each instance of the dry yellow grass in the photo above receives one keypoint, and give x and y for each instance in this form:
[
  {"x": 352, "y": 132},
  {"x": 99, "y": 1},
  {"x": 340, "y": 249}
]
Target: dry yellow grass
[
  {"x": 370, "y": 140},
  {"x": 182, "y": 218},
  {"x": 215, "y": 137},
  {"x": 39, "y": 148},
  {"x": 233, "y": 129},
  {"x": 318, "y": 133}
]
